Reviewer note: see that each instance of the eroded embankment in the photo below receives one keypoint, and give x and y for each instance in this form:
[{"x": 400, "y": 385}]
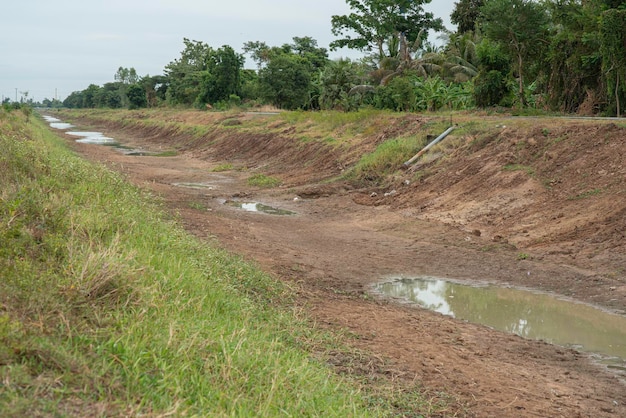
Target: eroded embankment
[{"x": 550, "y": 188}]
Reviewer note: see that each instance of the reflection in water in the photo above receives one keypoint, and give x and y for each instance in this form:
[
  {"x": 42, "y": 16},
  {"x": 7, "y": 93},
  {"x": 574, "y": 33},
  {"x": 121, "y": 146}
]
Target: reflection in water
[
  {"x": 258, "y": 207},
  {"x": 530, "y": 315},
  {"x": 93, "y": 138}
]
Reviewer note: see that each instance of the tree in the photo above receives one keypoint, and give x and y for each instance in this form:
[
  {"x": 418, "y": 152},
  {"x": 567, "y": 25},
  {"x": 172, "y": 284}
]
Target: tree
[
  {"x": 222, "y": 77},
  {"x": 574, "y": 56},
  {"x": 336, "y": 81},
  {"x": 185, "y": 74},
  {"x": 613, "y": 36},
  {"x": 285, "y": 81},
  {"x": 465, "y": 14},
  {"x": 375, "y": 22},
  {"x": 136, "y": 96},
  {"x": 521, "y": 26}
]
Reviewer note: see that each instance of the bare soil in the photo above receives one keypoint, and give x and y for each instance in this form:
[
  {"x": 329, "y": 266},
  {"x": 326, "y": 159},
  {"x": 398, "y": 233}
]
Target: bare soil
[{"x": 538, "y": 203}]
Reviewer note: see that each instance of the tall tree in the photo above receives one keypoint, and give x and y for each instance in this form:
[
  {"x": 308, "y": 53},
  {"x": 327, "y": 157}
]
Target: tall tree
[
  {"x": 521, "y": 26},
  {"x": 374, "y": 22},
  {"x": 185, "y": 73},
  {"x": 222, "y": 77},
  {"x": 465, "y": 14},
  {"x": 286, "y": 80},
  {"x": 613, "y": 36}
]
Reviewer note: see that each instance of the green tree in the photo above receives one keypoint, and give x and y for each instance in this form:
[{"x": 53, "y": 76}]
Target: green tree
[
  {"x": 286, "y": 80},
  {"x": 375, "y": 24},
  {"x": 185, "y": 74},
  {"x": 465, "y": 14},
  {"x": 613, "y": 36},
  {"x": 521, "y": 26},
  {"x": 490, "y": 86},
  {"x": 136, "y": 96},
  {"x": 222, "y": 77},
  {"x": 574, "y": 56},
  {"x": 336, "y": 81}
]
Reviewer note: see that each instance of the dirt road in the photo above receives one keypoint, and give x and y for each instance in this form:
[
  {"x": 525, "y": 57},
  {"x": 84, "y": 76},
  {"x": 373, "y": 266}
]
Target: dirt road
[{"x": 341, "y": 240}]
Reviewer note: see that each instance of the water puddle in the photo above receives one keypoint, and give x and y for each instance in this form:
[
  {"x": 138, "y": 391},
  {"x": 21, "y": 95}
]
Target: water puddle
[
  {"x": 258, "y": 207},
  {"x": 57, "y": 123},
  {"x": 525, "y": 313},
  {"x": 199, "y": 186},
  {"x": 95, "y": 138}
]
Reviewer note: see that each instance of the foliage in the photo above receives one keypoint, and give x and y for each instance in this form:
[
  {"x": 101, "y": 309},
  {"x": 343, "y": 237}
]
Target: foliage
[
  {"x": 336, "y": 81},
  {"x": 613, "y": 38},
  {"x": 285, "y": 81},
  {"x": 465, "y": 14},
  {"x": 185, "y": 74},
  {"x": 490, "y": 87},
  {"x": 398, "y": 95},
  {"x": 574, "y": 56},
  {"x": 376, "y": 23},
  {"x": 521, "y": 27},
  {"x": 222, "y": 78},
  {"x": 136, "y": 96}
]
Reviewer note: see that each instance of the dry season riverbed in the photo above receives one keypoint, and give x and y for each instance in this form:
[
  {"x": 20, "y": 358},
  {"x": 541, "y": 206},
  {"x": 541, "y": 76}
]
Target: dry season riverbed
[{"x": 335, "y": 244}]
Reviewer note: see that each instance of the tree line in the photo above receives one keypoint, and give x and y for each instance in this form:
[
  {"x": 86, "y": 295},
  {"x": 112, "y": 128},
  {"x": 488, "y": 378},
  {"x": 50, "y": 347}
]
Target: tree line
[{"x": 559, "y": 55}]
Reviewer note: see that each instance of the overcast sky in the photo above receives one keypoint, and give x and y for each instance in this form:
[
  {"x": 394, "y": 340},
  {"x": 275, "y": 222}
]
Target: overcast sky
[{"x": 53, "y": 47}]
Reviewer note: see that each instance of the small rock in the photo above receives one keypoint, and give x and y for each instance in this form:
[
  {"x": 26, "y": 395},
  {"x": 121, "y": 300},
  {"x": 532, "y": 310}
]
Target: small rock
[
  {"x": 391, "y": 193},
  {"x": 374, "y": 194}
]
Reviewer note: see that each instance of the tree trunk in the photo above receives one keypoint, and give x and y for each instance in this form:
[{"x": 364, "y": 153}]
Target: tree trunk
[
  {"x": 521, "y": 80},
  {"x": 617, "y": 92}
]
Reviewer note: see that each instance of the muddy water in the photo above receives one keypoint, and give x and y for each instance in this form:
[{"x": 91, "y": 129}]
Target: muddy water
[
  {"x": 258, "y": 207},
  {"x": 528, "y": 314},
  {"x": 57, "y": 123},
  {"x": 96, "y": 138}
]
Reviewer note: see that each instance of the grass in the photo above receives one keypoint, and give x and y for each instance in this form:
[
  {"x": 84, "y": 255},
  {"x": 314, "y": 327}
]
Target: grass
[
  {"x": 222, "y": 167},
  {"x": 110, "y": 308},
  {"x": 519, "y": 167},
  {"x": 388, "y": 158},
  {"x": 261, "y": 180}
]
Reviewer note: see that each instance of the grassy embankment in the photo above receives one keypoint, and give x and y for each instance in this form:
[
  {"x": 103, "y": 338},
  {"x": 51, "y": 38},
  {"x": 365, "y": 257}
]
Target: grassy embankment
[
  {"x": 403, "y": 136},
  {"x": 108, "y": 308}
]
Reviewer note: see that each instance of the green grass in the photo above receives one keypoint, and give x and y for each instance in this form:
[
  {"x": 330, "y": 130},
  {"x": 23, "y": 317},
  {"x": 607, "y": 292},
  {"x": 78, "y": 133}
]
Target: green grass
[
  {"x": 261, "y": 180},
  {"x": 388, "y": 158},
  {"x": 222, "y": 167},
  {"x": 110, "y": 308},
  {"x": 520, "y": 167}
]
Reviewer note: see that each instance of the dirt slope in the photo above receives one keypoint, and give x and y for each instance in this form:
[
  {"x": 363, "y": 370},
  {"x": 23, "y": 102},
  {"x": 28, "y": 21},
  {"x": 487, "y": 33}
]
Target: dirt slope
[{"x": 545, "y": 197}]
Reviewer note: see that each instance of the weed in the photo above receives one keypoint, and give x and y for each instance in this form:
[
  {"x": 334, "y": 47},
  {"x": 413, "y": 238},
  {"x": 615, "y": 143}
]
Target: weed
[
  {"x": 197, "y": 206},
  {"x": 519, "y": 167},
  {"x": 261, "y": 180},
  {"x": 222, "y": 167},
  {"x": 386, "y": 159}
]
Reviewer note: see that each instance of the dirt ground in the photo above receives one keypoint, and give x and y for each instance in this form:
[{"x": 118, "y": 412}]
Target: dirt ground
[{"x": 553, "y": 220}]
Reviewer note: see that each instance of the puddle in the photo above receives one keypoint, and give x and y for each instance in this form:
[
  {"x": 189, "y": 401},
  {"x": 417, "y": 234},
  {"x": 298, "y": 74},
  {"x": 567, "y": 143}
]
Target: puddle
[
  {"x": 527, "y": 314},
  {"x": 204, "y": 186},
  {"x": 258, "y": 207},
  {"x": 57, "y": 123},
  {"x": 96, "y": 138}
]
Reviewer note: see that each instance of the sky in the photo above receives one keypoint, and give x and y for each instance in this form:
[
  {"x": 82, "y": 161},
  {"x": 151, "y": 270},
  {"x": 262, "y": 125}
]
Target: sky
[{"x": 53, "y": 48}]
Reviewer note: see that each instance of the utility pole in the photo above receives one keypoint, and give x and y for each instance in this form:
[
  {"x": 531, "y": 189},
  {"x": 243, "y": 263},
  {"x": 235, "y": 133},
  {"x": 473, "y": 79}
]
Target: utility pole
[{"x": 16, "y": 95}]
